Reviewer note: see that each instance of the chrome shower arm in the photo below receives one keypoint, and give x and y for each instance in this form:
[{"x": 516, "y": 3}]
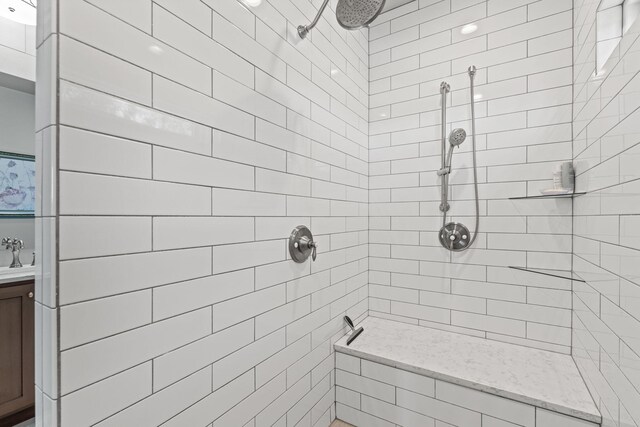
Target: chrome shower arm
[{"x": 303, "y": 30}]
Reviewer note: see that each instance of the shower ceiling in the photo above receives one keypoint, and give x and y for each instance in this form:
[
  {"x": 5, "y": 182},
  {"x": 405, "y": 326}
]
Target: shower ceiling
[{"x": 21, "y": 11}]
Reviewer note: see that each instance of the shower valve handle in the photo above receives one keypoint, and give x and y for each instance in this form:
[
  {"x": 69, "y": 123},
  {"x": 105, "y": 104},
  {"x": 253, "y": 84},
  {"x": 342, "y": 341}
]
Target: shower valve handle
[
  {"x": 302, "y": 245},
  {"x": 311, "y": 245}
]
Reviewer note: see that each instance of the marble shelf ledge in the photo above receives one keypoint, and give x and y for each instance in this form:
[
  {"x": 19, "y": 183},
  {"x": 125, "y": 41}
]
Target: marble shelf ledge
[
  {"x": 561, "y": 274},
  {"x": 536, "y": 377},
  {"x": 549, "y": 196}
]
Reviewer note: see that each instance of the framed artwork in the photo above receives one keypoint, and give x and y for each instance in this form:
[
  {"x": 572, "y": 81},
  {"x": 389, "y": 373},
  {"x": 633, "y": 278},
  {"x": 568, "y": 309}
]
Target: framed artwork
[{"x": 17, "y": 185}]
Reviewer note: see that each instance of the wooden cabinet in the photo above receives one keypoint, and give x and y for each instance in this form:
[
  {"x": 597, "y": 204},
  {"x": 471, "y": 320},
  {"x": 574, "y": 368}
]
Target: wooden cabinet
[{"x": 16, "y": 348}]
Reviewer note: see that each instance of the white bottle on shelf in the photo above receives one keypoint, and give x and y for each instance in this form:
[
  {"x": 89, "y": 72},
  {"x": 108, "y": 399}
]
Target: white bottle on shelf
[{"x": 568, "y": 176}]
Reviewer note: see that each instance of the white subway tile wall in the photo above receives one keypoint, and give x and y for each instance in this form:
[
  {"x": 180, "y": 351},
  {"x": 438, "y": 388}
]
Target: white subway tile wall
[
  {"x": 371, "y": 394},
  {"x": 179, "y": 143},
  {"x": 606, "y": 315},
  {"x": 187, "y": 140},
  {"x": 523, "y": 102}
]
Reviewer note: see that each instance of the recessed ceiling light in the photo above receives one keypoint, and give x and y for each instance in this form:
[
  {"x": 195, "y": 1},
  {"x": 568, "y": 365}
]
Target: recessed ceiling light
[
  {"x": 155, "y": 49},
  {"x": 334, "y": 71},
  {"x": 21, "y": 11},
  {"x": 252, "y": 3},
  {"x": 478, "y": 96},
  {"x": 468, "y": 29}
]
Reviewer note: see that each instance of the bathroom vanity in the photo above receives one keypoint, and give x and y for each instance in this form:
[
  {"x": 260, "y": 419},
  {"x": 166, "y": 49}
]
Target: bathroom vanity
[{"x": 16, "y": 345}]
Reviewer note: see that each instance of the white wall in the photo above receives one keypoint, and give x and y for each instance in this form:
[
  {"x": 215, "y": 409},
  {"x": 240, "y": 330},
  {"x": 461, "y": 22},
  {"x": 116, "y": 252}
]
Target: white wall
[
  {"x": 17, "y": 135},
  {"x": 193, "y": 137},
  {"x": 17, "y": 49},
  {"x": 523, "y": 54},
  {"x": 606, "y": 149},
  {"x": 17, "y": 121},
  {"x": 17, "y": 112}
]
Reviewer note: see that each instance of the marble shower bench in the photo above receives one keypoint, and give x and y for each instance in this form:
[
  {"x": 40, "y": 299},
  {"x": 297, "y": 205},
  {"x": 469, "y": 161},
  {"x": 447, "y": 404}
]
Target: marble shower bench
[{"x": 396, "y": 374}]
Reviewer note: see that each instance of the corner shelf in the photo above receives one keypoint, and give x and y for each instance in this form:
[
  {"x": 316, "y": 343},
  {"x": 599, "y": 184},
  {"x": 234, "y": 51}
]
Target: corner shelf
[
  {"x": 561, "y": 274},
  {"x": 550, "y": 196}
]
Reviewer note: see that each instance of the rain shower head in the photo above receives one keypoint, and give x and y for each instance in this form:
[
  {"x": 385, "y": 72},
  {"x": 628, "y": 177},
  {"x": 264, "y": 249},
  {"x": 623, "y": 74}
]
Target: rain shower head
[
  {"x": 355, "y": 14},
  {"x": 351, "y": 14},
  {"x": 457, "y": 137}
]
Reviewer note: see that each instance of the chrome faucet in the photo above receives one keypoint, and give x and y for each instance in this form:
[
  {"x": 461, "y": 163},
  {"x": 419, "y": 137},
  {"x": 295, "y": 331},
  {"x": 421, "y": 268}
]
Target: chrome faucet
[{"x": 15, "y": 245}]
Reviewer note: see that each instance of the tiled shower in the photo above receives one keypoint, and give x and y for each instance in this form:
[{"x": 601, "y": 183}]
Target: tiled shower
[
  {"x": 523, "y": 108},
  {"x": 179, "y": 142}
]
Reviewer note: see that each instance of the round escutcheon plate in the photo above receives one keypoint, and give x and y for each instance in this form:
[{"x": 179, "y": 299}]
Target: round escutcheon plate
[
  {"x": 454, "y": 236},
  {"x": 299, "y": 244}
]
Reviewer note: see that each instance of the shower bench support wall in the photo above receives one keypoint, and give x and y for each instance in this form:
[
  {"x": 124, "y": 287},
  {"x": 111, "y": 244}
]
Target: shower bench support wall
[{"x": 375, "y": 389}]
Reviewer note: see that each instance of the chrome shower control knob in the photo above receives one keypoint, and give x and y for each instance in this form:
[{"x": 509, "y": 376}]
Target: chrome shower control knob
[
  {"x": 301, "y": 244},
  {"x": 454, "y": 237}
]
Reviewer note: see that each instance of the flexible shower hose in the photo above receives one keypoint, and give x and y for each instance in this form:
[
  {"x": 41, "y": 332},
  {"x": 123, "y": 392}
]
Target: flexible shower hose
[{"x": 472, "y": 75}]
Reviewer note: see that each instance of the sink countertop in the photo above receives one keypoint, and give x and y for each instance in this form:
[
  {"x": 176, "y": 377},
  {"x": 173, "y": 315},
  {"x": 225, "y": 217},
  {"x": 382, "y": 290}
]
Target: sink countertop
[{"x": 8, "y": 275}]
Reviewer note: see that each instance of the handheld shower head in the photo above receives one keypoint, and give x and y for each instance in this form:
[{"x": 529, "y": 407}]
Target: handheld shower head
[{"x": 457, "y": 137}]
